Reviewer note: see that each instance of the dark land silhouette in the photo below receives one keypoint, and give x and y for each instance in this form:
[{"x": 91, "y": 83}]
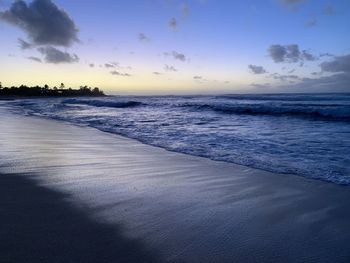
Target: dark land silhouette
[{"x": 46, "y": 91}]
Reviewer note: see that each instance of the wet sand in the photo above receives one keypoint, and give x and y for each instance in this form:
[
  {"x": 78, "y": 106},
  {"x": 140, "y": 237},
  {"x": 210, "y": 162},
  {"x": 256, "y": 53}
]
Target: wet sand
[{"x": 76, "y": 194}]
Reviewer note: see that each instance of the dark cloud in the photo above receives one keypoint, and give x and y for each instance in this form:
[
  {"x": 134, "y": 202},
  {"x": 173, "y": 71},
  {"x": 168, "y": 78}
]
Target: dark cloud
[
  {"x": 277, "y": 53},
  {"x": 43, "y": 21},
  {"x": 256, "y": 69},
  {"x": 289, "y": 53},
  {"x": 339, "y": 82},
  {"x": 91, "y": 65},
  {"x": 198, "y": 77},
  {"x": 326, "y": 55},
  {"x": 173, "y": 23},
  {"x": 283, "y": 78},
  {"x": 55, "y": 56},
  {"x": 316, "y": 73},
  {"x": 292, "y": 53},
  {"x": 24, "y": 44},
  {"x": 117, "y": 73},
  {"x": 169, "y": 68},
  {"x": 36, "y": 59},
  {"x": 143, "y": 38},
  {"x": 176, "y": 55},
  {"x": 179, "y": 56},
  {"x": 336, "y": 83},
  {"x": 109, "y": 65},
  {"x": 157, "y": 73},
  {"x": 308, "y": 56},
  {"x": 338, "y": 64}
]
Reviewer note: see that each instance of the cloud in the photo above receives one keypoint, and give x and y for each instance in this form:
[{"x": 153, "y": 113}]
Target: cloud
[
  {"x": 43, "y": 21},
  {"x": 288, "y": 2},
  {"x": 292, "y": 52},
  {"x": 173, "y": 23},
  {"x": 277, "y": 53},
  {"x": 326, "y": 55},
  {"x": 201, "y": 80},
  {"x": 143, "y": 38},
  {"x": 91, "y": 65},
  {"x": 109, "y": 65},
  {"x": 179, "y": 56},
  {"x": 55, "y": 56},
  {"x": 184, "y": 10},
  {"x": 308, "y": 56},
  {"x": 289, "y": 53},
  {"x": 311, "y": 22},
  {"x": 169, "y": 68},
  {"x": 256, "y": 69},
  {"x": 284, "y": 78},
  {"x": 157, "y": 73},
  {"x": 316, "y": 73},
  {"x": 117, "y": 73},
  {"x": 261, "y": 86},
  {"x": 328, "y": 10},
  {"x": 24, "y": 44},
  {"x": 176, "y": 55},
  {"x": 36, "y": 59},
  {"x": 335, "y": 83},
  {"x": 338, "y": 64}
]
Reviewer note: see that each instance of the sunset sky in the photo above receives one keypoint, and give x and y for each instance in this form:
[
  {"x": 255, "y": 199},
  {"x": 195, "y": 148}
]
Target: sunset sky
[{"x": 174, "y": 47}]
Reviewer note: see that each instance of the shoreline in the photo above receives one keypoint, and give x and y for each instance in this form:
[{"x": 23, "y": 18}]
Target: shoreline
[
  {"x": 279, "y": 143},
  {"x": 182, "y": 208}
]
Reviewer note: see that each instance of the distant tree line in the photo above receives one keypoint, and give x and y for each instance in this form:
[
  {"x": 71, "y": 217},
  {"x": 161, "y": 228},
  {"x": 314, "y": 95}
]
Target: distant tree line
[{"x": 46, "y": 91}]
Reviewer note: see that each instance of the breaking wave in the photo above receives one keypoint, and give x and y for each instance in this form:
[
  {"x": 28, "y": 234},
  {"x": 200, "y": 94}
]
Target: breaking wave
[
  {"x": 329, "y": 112},
  {"x": 104, "y": 103}
]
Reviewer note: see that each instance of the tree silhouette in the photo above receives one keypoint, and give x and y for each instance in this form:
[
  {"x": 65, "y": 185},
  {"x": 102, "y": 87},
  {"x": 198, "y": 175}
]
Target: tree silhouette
[{"x": 46, "y": 91}]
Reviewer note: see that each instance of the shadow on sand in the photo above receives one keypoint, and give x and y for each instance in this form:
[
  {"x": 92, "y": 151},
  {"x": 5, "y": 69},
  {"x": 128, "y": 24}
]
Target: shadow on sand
[{"x": 40, "y": 225}]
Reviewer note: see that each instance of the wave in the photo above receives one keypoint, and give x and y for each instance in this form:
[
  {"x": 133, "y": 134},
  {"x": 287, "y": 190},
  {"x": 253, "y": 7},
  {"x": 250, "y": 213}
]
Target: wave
[
  {"x": 222, "y": 129},
  {"x": 288, "y": 97},
  {"x": 329, "y": 112},
  {"x": 104, "y": 103}
]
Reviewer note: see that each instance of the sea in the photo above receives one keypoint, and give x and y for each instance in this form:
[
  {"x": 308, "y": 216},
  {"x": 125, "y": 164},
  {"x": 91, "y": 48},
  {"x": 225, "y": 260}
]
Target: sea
[{"x": 300, "y": 134}]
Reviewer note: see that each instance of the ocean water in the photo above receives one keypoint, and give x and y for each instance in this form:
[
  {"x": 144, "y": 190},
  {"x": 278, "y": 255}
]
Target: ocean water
[{"x": 305, "y": 135}]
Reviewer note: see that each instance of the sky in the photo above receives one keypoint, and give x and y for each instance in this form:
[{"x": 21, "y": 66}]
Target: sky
[{"x": 177, "y": 46}]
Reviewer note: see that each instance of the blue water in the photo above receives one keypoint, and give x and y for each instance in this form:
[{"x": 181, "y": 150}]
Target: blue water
[{"x": 306, "y": 135}]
